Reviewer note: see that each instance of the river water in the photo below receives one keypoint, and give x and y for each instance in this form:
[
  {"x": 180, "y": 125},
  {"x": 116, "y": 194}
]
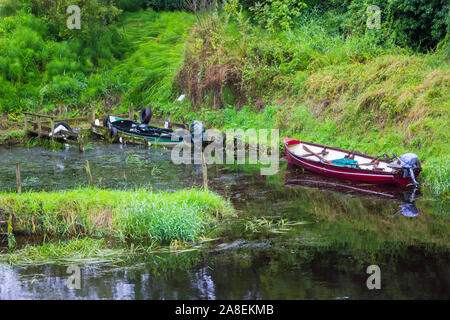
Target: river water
[{"x": 340, "y": 231}]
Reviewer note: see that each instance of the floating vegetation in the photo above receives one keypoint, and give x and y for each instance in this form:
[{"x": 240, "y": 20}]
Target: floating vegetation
[
  {"x": 135, "y": 160},
  {"x": 76, "y": 250},
  {"x": 88, "y": 146},
  {"x": 30, "y": 181},
  {"x": 264, "y": 224},
  {"x": 87, "y": 250},
  {"x": 155, "y": 170}
]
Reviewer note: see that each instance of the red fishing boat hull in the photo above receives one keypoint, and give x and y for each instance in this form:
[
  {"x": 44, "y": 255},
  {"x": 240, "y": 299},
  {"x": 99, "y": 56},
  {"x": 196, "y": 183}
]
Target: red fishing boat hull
[{"x": 353, "y": 174}]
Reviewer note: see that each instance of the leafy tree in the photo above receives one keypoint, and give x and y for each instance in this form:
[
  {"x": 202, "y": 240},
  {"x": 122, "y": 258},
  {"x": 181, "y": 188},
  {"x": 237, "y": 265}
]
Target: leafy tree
[
  {"x": 96, "y": 17},
  {"x": 278, "y": 13}
]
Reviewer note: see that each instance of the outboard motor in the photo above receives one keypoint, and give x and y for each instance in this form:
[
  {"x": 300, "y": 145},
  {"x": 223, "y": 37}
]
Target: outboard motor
[
  {"x": 409, "y": 161},
  {"x": 197, "y": 132}
]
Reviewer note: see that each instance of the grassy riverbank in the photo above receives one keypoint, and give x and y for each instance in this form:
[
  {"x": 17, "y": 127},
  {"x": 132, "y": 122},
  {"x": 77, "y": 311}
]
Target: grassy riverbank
[
  {"x": 135, "y": 215},
  {"x": 359, "y": 92}
]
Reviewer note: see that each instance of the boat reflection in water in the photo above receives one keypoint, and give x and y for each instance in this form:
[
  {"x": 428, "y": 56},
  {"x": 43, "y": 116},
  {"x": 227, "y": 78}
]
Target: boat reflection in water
[
  {"x": 405, "y": 195},
  {"x": 408, "y": 208}
]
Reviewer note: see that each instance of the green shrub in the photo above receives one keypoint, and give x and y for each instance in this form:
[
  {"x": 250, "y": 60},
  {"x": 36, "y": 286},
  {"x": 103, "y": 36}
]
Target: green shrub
[
  {"x": 272, "y": 14},
  {"x": 158, "y": 5},
  {"x": 96, "y": 18},
  {"x": 415, "y": 23}
]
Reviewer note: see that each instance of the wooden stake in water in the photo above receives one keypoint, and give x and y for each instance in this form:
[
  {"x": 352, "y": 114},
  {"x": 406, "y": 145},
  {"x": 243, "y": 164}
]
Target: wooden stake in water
[
  {"x": 131, "y": 112},
  {"x": 18, "y": 181},
  {"x": 39, "y": 129},
  {"x": 80, "y": 139},
  {"x": 93, "y": 116},
  {"x": 52, "y": 123},
  {"x": 89, "y": 174},
  {"x": 26, "y": 123},
  {"x": 205, "y": 172}
]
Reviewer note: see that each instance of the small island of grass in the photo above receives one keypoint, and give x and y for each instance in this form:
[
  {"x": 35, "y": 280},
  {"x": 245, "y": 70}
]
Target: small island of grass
[{"x": 141, "y": 217}]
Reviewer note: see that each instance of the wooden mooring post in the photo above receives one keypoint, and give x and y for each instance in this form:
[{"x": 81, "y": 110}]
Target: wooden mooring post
[
  {"x": 131, "y": 112},
  {"x": 52, "y": 132},
  {"x": 89, "y": 174},
  {"x": 26, "y": 123},
  {"x": 93, "y": 116},
  {"x": 204, "y": 172},
  {"x": 39, "y": 129},
  {"x": 18, "y": 180}
]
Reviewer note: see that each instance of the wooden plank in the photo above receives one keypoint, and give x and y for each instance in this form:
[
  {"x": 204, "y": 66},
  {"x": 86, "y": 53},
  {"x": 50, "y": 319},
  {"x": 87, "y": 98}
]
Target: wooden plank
[
  {"x": 84, "y": 118},
  {"x": 68, "y": 119},
  {"x": 39, "y": 115}
]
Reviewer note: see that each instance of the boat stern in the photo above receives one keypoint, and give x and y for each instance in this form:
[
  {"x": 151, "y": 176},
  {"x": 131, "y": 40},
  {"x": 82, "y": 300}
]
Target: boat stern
[{"x": 289, "y": 141}]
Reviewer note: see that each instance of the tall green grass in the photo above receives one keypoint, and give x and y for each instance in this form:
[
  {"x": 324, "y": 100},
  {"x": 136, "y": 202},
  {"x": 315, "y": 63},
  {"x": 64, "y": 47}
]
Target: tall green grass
[
  {"x": 155, "y": 54},
  {"x": 162, "y": 217},
  {"x": 137, "y": 215}
]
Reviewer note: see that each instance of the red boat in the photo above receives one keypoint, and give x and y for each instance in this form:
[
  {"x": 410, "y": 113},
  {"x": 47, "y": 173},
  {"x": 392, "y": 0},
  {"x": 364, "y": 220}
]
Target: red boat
[{"x": 342, "y": 164}]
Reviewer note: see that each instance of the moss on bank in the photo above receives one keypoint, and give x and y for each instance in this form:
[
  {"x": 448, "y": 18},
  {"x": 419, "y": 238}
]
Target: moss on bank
[{"x": 136, "y": 215}]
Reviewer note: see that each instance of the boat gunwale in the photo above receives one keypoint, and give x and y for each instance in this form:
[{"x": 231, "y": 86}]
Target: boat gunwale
[
  {"x": 156, "y": 139},
  {"x": 146, "y": 137},
  {"x": 333, "y": 166}
]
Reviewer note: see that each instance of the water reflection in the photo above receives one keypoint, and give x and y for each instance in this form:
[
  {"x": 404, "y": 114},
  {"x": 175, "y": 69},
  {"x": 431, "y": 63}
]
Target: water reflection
[
  {"x": 279, "y": 272},
  {"x": 408, "y": 208},
  {"x": 406, "y": 195}
]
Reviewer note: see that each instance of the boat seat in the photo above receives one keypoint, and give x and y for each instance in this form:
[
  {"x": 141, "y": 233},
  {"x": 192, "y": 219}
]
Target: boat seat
[
  {"x": 142, "y": 126},
  {"x": 324, "y": 152}
]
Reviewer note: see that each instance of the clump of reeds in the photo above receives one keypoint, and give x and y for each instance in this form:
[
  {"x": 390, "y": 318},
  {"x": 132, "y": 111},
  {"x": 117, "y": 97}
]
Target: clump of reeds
[{"x": 137, "y": 215}]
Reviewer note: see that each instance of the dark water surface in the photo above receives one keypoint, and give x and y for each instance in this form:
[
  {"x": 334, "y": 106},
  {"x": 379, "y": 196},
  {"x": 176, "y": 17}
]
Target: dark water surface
[{"x": 342, "y": 229}]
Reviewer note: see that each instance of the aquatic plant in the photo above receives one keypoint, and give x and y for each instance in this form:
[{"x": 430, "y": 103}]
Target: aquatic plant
[{"x": 30, "y": 181}]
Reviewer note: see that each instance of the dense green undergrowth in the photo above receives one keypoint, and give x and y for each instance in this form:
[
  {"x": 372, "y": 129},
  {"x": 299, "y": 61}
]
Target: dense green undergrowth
[{"x": 140, "y": 216}]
